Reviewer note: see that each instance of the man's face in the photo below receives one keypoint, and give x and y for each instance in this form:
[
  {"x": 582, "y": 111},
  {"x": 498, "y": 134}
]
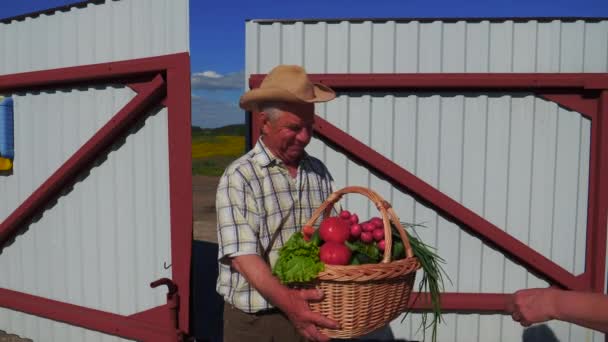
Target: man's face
[{"x": 288, "y": 135}]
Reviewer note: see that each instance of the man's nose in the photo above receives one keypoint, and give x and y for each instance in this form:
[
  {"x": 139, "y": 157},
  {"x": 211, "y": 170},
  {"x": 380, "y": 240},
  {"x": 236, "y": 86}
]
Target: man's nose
[{"x": 304, "y": 135}]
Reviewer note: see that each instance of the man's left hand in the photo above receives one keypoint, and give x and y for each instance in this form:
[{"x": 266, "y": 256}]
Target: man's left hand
[{"x": 305, "y": 320}]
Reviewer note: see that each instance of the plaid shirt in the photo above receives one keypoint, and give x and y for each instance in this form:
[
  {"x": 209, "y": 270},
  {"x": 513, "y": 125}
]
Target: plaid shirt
[{"x": 256, "y": 197}]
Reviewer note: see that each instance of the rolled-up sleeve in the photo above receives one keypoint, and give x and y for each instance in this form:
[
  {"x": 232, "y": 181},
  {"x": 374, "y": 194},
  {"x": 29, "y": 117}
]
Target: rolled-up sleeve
[{"x": 237, "y": 217}]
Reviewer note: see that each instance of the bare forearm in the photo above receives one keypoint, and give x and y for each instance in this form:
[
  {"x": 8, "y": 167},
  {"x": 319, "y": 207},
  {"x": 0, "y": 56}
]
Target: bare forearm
[
  {"x": 587, "y": 309},
  {"x": 259, "y": 275}
]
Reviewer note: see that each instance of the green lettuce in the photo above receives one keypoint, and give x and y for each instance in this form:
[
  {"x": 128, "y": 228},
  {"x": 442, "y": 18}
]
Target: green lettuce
[{"x": 298, "y": 261}]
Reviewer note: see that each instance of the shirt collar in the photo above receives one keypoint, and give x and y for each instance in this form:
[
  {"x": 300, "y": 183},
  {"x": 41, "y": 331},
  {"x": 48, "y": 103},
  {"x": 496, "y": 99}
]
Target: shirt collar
[{"x": 263, "y": 156}]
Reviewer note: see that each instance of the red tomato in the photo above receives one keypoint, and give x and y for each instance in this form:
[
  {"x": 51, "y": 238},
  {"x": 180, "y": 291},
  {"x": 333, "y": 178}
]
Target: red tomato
[
  {"x": 354, "y": 219},
  {"x": 334, "y": 229},
  {"x": 334, "y": 253}
]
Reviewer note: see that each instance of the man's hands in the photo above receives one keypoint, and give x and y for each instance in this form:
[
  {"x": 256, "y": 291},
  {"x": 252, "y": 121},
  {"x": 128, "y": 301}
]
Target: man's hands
[
  {"x": 303, "y": 318},
  {"x": 293, "y": 302},
  {"x": 532, "y": 305}
]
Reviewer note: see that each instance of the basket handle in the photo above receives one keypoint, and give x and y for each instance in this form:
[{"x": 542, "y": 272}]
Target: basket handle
[{"x": 386, "y": 211}]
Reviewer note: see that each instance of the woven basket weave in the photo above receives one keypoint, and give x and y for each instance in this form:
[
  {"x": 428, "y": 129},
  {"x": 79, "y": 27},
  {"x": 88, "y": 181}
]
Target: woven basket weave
[{"x": 363, "y": 298}]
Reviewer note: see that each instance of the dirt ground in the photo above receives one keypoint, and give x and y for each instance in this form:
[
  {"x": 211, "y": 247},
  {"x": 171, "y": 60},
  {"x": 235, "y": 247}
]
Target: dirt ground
[{"x": 203, "y": 207}]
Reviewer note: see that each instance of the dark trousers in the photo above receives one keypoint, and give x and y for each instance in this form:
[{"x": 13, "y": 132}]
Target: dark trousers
[{"x": 270, "y": 326}]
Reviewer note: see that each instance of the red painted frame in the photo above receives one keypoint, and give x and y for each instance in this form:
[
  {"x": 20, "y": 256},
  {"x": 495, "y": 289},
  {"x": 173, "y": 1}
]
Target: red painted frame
[
  {"x": 585, "y": 93},
  {"x": 166, "y": 80}
]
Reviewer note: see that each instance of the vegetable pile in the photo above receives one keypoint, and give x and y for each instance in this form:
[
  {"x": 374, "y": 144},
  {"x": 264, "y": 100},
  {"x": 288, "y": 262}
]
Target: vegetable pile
[{"x": 343, "y": 240}]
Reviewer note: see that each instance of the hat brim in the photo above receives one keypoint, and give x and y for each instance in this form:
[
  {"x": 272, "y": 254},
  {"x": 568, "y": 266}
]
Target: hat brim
[{"x": 250, "y": 100}]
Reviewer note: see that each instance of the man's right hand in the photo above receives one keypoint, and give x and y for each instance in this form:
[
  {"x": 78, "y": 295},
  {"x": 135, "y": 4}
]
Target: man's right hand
[{"x": 305, "y": 320}]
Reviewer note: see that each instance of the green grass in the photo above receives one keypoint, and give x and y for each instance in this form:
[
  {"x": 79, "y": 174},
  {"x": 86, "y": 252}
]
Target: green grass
[
  {"x": 212, "y": 166},
  {"x": 225, "y": 130}
]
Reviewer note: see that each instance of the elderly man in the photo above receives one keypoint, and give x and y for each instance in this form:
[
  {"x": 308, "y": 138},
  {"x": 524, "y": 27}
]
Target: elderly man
[{"x": 262, "y": 199}]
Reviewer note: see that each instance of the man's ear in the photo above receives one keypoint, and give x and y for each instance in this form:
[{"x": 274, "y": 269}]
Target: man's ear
[{"x": 264, "y": 122}]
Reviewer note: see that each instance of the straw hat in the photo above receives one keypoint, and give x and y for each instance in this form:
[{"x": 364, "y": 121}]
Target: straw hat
[{"x": 286, "y": 83}]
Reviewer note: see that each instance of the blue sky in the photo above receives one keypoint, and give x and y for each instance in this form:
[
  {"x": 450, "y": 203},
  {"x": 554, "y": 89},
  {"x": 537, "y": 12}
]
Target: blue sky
[{"x": 217, "y": 33}]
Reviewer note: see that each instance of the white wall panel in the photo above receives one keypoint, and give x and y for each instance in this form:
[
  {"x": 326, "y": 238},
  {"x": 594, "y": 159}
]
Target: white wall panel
[
  {"x": 383, "y": 40},
  {"x": 407, "y": 36},
  {"x": 454, "y": 40},
  {"x": 108, "y": 236},
  {"x": 293, "y": 40}
]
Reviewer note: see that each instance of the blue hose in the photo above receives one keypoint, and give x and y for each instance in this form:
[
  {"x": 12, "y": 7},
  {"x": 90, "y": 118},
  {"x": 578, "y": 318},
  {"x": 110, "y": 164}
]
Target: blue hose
[{"x": 7, "y": 137}]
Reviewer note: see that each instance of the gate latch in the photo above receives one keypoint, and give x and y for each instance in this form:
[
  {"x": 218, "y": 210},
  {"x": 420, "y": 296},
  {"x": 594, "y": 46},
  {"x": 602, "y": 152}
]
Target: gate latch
[{"x": 172, "y": 302}]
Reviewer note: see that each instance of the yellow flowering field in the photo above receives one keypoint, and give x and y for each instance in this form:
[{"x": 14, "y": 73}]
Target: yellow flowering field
[
  {"x": 211, "y": 154},
  {"x": 210, "y": 146}
]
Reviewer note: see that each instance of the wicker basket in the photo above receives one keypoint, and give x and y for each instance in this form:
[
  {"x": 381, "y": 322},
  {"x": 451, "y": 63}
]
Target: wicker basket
[{"x": 363, "y": 298}]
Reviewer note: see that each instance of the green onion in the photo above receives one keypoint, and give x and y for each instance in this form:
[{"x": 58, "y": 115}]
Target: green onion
[{"x": 432, "y": 278}]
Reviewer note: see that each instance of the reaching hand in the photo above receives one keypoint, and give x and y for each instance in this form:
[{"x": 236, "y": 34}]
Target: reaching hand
[
  {"x": 304, "y": 319},
  {"x": 532, "y": 306}
]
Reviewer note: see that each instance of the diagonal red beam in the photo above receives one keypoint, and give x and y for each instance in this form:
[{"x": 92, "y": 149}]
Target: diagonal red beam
[
  {"x": 485, "y": 81},
  {"x": 448, "y": 207},
  {"x": 87, "y": 318},
  {"x": 86, "y": 154}
]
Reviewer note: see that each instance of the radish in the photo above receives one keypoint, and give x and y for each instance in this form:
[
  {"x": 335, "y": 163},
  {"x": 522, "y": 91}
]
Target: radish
[
  {"x": 377, "y": 222},
  {"x": 307, "y": 231},
  {"x": 381, "y": 245},
  {"x": 345, "y": 215},
  {"x": 355, "y": 230},
  {"x": 367, "y": 237},
  {"x": 354, "y": 219},
  {"x": 378, "y": 234},
  {"x": 367, "y": 226}
]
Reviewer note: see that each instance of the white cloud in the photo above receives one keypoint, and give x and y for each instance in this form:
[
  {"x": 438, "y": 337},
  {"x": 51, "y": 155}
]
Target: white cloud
[
  {"x": 209, "y": 73},
  {"x": 214, "y": 81}
]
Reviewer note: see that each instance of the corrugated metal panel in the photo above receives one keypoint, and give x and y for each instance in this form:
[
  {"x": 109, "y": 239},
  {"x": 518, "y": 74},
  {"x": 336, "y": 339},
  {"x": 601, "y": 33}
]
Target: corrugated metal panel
[
  {"x": 114, "y": 30},
  {"x": 105, "y": 239},
  {"x": 514, "y": 159},
  {"x": 435, "y": 46}
]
